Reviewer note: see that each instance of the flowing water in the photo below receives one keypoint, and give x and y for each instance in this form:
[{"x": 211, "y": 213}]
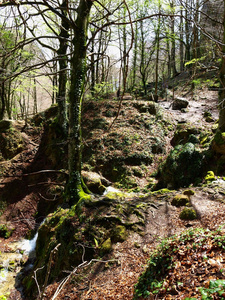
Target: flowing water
[{"x": 12, "y": 261}]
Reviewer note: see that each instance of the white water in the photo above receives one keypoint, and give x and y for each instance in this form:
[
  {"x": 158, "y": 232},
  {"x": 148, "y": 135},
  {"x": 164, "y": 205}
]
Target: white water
[
  {"x": 29, "y": 245},
  {"x": 7, "y": 276},
  {"x": 111, "y": 189}
]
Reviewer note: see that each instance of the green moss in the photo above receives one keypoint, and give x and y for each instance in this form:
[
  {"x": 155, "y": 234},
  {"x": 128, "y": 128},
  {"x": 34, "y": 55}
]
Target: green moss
[
  {"x": 119, "y": 233},
  {"x": 182, "y": 167},
  {"x": 189, "y": 192},
  {"x": 219, "y": 138},
  {"x": 210, "y": 177},
  {"x": 188, "y": 214},
  {"x": 180, "y": 200},
  {"x": 162, "y": 192},
  {"x": 5, "y": 231},
  {"x": 106, "y": 247}
]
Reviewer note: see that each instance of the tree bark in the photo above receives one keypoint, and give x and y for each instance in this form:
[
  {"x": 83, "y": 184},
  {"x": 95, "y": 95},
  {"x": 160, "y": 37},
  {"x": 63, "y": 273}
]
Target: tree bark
[
  {"x": 222, "y": 83},
  {"x": 62, "y": 52},
  {"x": 78, "y": 72}
]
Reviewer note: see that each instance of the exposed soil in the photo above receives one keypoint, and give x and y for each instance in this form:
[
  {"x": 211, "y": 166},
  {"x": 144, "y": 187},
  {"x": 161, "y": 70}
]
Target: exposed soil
[{"x": 110, "y": 279}]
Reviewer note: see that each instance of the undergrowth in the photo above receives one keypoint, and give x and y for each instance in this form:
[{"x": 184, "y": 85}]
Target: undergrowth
[{"x": 165, "y": 273}]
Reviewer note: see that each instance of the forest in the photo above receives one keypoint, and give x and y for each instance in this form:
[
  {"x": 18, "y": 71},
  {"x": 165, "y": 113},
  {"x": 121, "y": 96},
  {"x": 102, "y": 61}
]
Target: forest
[{"x": 112, "y": 149}]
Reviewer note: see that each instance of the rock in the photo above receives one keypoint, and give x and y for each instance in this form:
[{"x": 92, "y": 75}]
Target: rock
[
  {"x": 210, "y": 177},
  {"x": 183, "y": 134},
  {"x": 146, "y": 107},
  {"x": 189, "y": 192},
  {"x": 182, "y": 167},
  {"x": 179, "y": 103},
  {"x": 127, "y": 97},
  {"x": 95, "y": 182},
  {"x": 188, "y": 214},
  {"x": 120, "y": 233},
  {"x": 106, "y": 246},
  {"x": 218, "y": 143},
  {"x": 180, "y": 200}
]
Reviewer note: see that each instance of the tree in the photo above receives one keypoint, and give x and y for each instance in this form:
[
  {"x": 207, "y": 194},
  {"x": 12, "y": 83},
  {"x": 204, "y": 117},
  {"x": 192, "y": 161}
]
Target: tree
[{"x": 222, "y": 82}]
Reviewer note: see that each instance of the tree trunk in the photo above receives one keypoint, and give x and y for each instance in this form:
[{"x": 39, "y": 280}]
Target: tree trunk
[
  {"x": 181, "y": 41},
  {"x": 222, "y": 83},
  {"x": 173, "y": 42},
  {"x": 157, "y": 52},
  {"x": 62, "y": 51},
  {"x": 78, "y": 72}
]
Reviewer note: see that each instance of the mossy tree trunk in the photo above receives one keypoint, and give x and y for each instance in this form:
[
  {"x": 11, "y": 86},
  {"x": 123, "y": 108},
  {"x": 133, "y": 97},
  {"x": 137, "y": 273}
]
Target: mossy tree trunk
[
  {"x": 222, "y": 83},
  {"x": 78, "y": 72}
]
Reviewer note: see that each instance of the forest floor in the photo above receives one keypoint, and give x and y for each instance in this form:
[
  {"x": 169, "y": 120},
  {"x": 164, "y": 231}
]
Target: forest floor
[{"x": 116, "y": 280}]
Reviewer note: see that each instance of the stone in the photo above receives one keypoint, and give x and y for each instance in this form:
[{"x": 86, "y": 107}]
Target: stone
[
  {"x": 180, "y": 200},
  {"x": 95, "y": 182},
  {"x": 179, "y": 103},
  {"x": 218, "y": 143},
  {"x": 188, "y": 214}
]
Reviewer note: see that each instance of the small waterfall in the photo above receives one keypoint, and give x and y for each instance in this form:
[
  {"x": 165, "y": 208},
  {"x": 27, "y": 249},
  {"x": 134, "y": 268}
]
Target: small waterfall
[
  {"x": 4, "y": 271},
  {"x": 29, "y": 245}
]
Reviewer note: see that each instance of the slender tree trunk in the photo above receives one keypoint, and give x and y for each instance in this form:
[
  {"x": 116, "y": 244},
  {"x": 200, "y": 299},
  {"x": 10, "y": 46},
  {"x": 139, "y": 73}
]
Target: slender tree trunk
[
  {"x": 134, "y": 72},
  {"x": 62, "y": 51},
  {"x": 157, "y": 52},
  {"x": 173, "y": 43},
  {"x": 78, "y": 72},
  {"x": 35, "y": 97},
  {"x": 92, "y": 67},
  {"x": 187, "y": 35},
  {"x": 169, "y": 57},
  {"x": 222, "y": 81},
  {"x": 181, "y": 41}
]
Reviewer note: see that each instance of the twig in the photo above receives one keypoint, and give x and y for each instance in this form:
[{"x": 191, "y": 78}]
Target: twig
[
  {"x": 35, "y": 279},
  {"x": 49, "y": 267},
  {"x": 47, "y": 199},
  {"x": 46, "y": 183},
  {"x": 29, "y": 224},
  {"x": 38, "y": 172}
]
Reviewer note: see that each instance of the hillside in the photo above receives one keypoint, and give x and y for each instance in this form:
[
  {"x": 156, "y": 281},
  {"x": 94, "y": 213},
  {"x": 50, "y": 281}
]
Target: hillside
[{"x": 151, "y": 155}]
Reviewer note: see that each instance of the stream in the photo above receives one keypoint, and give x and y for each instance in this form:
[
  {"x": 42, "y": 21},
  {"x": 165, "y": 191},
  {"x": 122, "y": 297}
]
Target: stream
[{"x": 12, "y": 260}]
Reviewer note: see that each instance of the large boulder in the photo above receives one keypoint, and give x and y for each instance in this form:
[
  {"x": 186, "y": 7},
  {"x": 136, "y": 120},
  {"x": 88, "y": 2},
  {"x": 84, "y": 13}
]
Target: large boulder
[
  {"x": 182, "y": 167},
  {"x": 95, "y": 182},
  {"x": 179, "y": 103}
]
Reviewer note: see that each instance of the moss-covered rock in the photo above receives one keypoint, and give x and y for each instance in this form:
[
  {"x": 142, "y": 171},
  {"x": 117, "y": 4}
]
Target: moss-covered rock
[
  {"x": 143, "y": 107},
  {"x": 210, "y": 176},
  {"x": 182, "y": 167},
  {"x": 106, "y": 246},
  {"x": 218, "y": 143},
  {"x": 189, "y": 192},
  {"x": 185, "y": 133},
  {"x": 180, "y": 200},
  {"x": 119, "y": 233},
  {"x": 11, "y": 140},
  {"x": 188, "y": 214},
  {"x": 95, "y": 182}
]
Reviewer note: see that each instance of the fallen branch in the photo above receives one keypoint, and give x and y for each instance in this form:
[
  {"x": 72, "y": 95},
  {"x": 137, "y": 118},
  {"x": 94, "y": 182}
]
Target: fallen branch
[
  {"x": 36, "y": 173},
  {"x": 46, "y": 183}
]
